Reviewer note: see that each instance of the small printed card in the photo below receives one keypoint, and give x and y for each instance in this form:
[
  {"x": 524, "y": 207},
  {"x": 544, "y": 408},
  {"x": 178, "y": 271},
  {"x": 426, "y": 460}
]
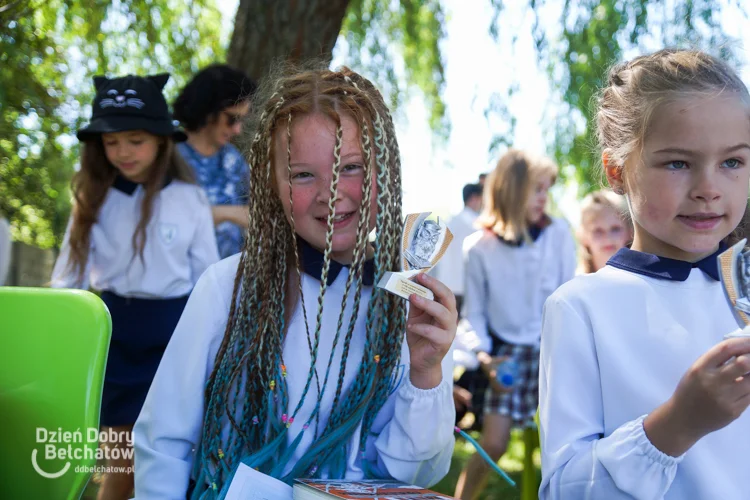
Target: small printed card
[
  {"x": 249, "y": 484},
  {"x": 423, "y": 242},
  {"x": 734, "y": 270}
]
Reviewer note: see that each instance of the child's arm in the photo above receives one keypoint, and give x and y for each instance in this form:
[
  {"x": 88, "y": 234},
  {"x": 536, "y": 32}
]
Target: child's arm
[
  {"x": 63, "y": 276},
  {"x": 416, "y": 444},
  {"x": 203, "y": 250},
  {"x": 577, "y": 460},
  {"x": 169, "y": 426}
]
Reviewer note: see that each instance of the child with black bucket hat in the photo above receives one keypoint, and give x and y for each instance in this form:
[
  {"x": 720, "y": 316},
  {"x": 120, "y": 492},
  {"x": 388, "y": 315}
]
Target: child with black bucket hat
[{"x": 141, "y": 232}]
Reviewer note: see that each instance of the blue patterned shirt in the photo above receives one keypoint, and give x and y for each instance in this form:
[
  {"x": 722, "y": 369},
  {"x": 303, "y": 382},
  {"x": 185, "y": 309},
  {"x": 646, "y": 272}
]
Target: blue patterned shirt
[{"x": 225, "y": 177}]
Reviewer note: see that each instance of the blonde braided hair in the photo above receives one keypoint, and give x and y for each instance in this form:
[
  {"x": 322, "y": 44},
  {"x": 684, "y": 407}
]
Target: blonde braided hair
[{"x": 247, "y": 372}]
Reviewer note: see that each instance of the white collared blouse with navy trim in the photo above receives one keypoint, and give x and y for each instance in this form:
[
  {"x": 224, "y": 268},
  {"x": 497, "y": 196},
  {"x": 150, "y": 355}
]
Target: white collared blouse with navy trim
[
  {"x": 180, "y": 244},
  {"x": 615, "y": 344},
  {"x": 411, "y": 438},
  {"x": 508, "y": 282}
]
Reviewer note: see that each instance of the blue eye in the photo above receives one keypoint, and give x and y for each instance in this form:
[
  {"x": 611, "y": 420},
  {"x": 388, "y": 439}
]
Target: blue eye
[
  {"x": 732, "y": 163},
  {"x": 677, "y": 165}
]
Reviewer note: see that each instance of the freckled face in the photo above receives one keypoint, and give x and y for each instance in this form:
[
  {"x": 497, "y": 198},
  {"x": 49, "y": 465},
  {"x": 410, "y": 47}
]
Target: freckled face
[
  {"x": 688, "y": 188},
  {"x": 312, "y": 159}
]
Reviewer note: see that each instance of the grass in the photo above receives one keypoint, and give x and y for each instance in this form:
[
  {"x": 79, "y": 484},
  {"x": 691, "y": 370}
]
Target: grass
[{"x": 497, "y": 488}]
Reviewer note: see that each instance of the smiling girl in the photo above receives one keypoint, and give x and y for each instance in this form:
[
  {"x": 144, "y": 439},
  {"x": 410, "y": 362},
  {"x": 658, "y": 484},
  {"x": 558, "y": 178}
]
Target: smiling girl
[
  {"x": 298, "y": 365},
  {"x": 640, "y": 396},
  {"x": 141, "y": 233}
]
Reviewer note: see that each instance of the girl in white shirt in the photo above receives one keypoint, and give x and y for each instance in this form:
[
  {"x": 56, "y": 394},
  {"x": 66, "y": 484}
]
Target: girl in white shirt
[
  {"x": 604, "y": 229},
  {"x": 520, "y": 257},
  {"x": 287, "y": 359},
  {"x": 640, "y": 396},
  {"x": 141, "y": 233}
]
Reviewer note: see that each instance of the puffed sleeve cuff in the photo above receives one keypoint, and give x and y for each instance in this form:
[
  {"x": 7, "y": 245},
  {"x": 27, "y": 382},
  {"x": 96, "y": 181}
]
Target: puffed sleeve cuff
[
  {"x": 628, "y": 448},
  {"x": 422, "y": 423},
  {"x": 409, "y": 391}
]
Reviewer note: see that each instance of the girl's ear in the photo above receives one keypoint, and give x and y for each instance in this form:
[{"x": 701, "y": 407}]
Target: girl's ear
[{"x": 613, "y": 173}]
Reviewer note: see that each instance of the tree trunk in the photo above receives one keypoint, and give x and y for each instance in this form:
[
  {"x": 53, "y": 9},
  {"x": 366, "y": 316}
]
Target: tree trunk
[{"x": 296, "y": 30}]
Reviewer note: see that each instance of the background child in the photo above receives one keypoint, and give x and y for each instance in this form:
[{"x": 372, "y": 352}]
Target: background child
[
  {"x": 512, "y": 266},
  {"x": 299, "y": 367},
  {"x": 140, "y": 232},
  {"x": 640, "y": 396},
  {"x": 604, "y": 229}
]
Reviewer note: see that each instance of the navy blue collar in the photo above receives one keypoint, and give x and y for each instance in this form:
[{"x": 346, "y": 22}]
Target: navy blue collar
[
  {"x": 312, "y": 264},
  {"x": 663, "y": 268},
  {"x": 128, "y": 187},
  {"x": 534, "y": 232},
  {"x": 124, "y": 185}
]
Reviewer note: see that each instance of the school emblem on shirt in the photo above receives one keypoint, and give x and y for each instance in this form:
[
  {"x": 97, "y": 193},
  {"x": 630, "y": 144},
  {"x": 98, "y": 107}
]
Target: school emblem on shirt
[{"x": 167, "y": 232}]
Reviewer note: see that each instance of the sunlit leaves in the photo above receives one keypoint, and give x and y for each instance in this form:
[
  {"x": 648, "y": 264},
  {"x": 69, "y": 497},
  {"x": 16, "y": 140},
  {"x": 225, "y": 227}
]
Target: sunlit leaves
[
  {"x": 591, "y": 36},
  {"x": 396, "y": 43},
  {"x": 49, "y": 49}
]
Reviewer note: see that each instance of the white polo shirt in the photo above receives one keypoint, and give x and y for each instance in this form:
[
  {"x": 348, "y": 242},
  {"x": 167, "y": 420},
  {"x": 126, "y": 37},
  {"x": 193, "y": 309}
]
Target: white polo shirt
[{"x": 180, "y": 243}]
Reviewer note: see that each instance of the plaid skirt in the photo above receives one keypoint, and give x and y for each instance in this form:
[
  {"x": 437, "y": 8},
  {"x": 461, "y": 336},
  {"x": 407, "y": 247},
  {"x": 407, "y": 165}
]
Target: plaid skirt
[{"x": 521, "y": 403}]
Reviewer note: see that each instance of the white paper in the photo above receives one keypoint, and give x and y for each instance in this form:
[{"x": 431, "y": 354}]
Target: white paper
[
  {"x": 249, "y": 484},
  {"x": 744, "y": 332},
  {"x": 401, "y": 285}
]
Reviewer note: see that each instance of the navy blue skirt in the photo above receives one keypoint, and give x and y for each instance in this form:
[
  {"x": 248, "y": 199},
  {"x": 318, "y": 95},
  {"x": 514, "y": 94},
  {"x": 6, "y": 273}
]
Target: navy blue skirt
[{"x": 141, "y": 329}]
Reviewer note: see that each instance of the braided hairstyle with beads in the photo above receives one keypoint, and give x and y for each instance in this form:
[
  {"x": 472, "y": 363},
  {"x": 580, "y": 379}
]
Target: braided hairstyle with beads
[{"x": 246, "y": 392}]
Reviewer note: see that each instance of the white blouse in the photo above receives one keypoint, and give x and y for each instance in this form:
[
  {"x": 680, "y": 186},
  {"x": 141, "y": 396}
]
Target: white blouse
[{"x": 180, "y": 244}]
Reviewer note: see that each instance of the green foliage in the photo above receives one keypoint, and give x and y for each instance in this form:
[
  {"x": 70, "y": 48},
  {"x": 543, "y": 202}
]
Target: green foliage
[
  {"x": 594, "y": 35},
  {"x": 49, "y": 50},
  {"x": 373, "y": 28}
]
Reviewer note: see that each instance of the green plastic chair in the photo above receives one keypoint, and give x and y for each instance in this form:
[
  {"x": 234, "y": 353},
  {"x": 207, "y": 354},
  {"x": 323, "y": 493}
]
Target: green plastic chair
[{"x": 53, "y": 352}]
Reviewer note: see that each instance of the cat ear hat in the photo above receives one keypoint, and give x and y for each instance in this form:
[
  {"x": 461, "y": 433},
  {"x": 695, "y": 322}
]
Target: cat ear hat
[{"x": 130, "y": 103}]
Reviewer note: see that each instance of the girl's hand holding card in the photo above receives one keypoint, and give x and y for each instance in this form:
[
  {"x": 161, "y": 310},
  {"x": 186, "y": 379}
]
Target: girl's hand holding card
[{"x": 430, "y": 329}]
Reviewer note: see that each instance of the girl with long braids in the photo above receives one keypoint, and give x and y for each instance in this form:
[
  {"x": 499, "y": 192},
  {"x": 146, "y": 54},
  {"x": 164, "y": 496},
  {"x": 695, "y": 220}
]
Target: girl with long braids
[{"x": 286, "y": 358}]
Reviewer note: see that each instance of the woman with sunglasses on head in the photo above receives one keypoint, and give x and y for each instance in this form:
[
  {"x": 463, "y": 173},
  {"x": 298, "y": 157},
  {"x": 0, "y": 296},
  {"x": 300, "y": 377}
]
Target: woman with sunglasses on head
[{"x": 212, "y": 108}]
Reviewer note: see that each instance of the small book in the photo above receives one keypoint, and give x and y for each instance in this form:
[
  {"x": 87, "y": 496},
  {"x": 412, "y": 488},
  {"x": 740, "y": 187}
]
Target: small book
[{"x": 373, "y": 489}]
